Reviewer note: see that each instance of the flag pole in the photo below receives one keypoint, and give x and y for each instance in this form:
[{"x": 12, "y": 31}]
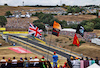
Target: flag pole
[
  {"x": 49, "y": 46},
  {"x": 26, "y": 49},
  {"x": 72, "y": 46},
  {"x": 71, "y": 50}
]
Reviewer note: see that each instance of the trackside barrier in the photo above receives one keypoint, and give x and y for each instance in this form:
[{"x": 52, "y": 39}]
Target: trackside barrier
[
  {"x": 23, "y": 64},
  {"x": 40, "y": 40},
  {"x": 15, "y": 32},
  {"x": 68, "y": 51}
]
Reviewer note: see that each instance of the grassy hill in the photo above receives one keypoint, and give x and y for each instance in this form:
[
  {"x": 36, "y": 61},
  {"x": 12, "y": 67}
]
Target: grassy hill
[
  {"x": 76, "y": 18},
  {"x": 97, "y": 32},
  {"x": 87, "y": 49},
  {"x": 12, "y": 8}
]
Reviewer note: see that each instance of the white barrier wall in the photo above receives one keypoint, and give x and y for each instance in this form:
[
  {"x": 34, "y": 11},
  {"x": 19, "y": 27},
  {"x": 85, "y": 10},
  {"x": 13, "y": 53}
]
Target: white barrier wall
[{"x": 95, "y": 41}]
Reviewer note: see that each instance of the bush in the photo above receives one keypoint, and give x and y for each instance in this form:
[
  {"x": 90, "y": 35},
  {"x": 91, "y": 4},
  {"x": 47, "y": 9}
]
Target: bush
[
  {"x": 97, "y": 26},
  {"x": 8, "y": 13},
  {"x": 37, "y": 21},
  {"x": 70, "y": 39},
  {"x": 88, "y": 28},
  {"x": 63, "y": 46},
  {"x": 33, "y": 14},
  {"x": 71, "y": 45},
  {"x": 74, "y": 26},
  {"x": 82, "y": 42},
  {"x": 57, "y": 40},
  {"x": 45, "y": 35}
]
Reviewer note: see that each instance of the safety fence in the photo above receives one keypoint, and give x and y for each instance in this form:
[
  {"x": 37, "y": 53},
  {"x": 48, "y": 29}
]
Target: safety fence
[{"x": 23, "y": 64}]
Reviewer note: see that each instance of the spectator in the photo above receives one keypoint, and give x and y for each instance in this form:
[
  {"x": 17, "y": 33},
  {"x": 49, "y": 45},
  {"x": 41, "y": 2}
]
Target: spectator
[
  {"x": 69, "y": 64},
  {"x": 43, "y": 63},
  {"x": 86, "y": 63},
  {"x": 3, "y": 62},
  {"x": 91, "y": 61},
  {"x": 31, "y": 62},
  {"x": 55, "y": 59},
  {"x": 76, "y": 63},
  {"x": 9, "y": 63},
  {"x": 72, "y": 61},
  {"x": 65, "y": 65},
  {"x": 3, "y": 59},
  {"x": 13, "y": 44},
  {"x": 36, "y": 64},
  {"x": 49, "y": 64},
  {"x": 97, "y": 61},
  {"x": 14, "y": 62},
  {"x": 42, "y": 59},
  {"x": 20, "y": 62},
  {"x": 82, "y": 63},
  {"x": 26, "y": 62},
  {"x": 61, "y": 66}
]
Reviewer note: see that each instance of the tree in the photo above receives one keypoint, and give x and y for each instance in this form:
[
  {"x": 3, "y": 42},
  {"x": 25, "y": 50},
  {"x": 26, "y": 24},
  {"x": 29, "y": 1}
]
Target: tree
[
  {"x": 84, "y": 22},
  {"x": 63, "y": 5},
  {"x": 8, "y": 13},
  {"x": 5, "y": 4},
  {"x": 74, "y": 26},
  {"x": 74, "y": 9},
  {"x": 37, "y": 21},
  {"x": 3, "y": 21},
  {"x": 57, "y": 5},
  {"x": 63, "y": 23},
  {"x": 40, "y": 26},
  {"x": 70, "y": 9},
  {"x": 77, "y": 9},
  {"x": 97, "y": 26},
  {"x": 89, "y": 26}
]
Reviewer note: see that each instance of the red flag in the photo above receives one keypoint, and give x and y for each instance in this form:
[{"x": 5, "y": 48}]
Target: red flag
[{"x": 76, "y": 41}]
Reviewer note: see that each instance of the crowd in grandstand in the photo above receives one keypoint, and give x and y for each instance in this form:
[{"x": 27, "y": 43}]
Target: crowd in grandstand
[
  {"x": 18, "y": 23},
  {"x": 87, "y": 35}
]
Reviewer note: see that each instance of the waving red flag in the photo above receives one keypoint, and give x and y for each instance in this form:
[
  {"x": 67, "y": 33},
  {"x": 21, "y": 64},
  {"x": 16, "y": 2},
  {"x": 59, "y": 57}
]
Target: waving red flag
[{"x": 76, "y": 41}]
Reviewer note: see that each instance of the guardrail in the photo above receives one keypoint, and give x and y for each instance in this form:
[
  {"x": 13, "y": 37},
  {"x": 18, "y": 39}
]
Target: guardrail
[{"x": 17, "y": 64}]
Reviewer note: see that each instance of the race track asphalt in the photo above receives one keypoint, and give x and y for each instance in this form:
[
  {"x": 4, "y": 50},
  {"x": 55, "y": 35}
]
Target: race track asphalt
[{"x": 45, "y": 47}]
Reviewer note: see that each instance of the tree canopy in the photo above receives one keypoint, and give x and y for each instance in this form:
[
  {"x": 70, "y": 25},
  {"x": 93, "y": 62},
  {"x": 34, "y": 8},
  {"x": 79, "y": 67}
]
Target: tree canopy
[
  {"x": 40, "y": 26},
  {"x": 3, "y": 21},
  {"x": 8, "y": 13},
  {"x": 48, "y": 19},
  {"x": 74, "y": 9},
  {"x": 89, "y": 25}
]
